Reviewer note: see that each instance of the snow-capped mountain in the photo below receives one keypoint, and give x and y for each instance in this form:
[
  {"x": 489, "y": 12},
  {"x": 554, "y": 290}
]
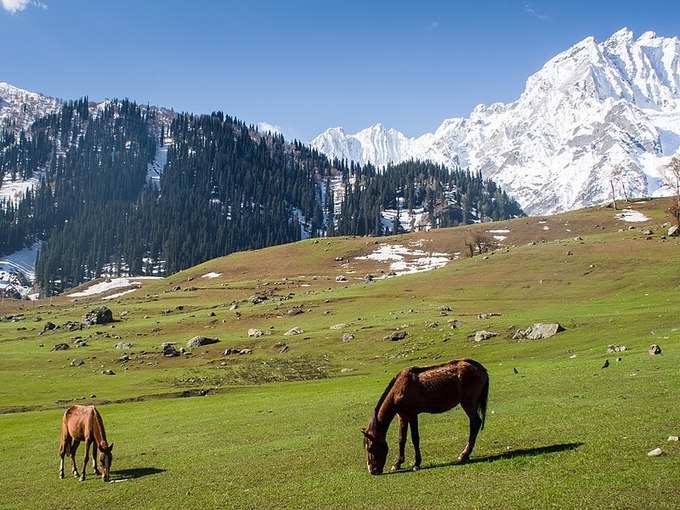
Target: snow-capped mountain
[
  {"x": 19, "y": 108},
  {"x": 590, "y": 109}
]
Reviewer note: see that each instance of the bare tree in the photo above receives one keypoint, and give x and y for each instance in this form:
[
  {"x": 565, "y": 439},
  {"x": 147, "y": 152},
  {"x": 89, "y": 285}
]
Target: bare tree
[
  {"x": 478, "y": 243},
  {"x": 670, "y": 176},
  {"x": 614, "y": 177}
]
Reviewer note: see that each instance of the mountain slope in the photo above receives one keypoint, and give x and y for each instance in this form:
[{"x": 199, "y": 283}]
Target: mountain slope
[
  {"x": 589, "y": 109},
  {"x": 19, "y": 108}
]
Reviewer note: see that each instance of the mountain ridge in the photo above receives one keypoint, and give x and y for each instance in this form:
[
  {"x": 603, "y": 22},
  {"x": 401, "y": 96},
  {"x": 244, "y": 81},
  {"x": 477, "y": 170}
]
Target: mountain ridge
[{"x": 589, "y": 109}]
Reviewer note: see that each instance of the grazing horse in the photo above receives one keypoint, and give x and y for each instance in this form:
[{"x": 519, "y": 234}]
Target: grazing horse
[
  {"x": 433, "y": 389},
  {"x": 84, "y": 423}
]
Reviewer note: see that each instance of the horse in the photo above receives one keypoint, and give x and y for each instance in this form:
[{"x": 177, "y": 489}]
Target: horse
[
  {"x": 433, "y": 389},
  {"x": 84, "y": 423}
]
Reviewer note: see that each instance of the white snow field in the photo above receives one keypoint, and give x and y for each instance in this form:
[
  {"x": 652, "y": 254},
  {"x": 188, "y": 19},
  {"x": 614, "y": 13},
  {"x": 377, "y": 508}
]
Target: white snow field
[{"x": 403, "y": 260}]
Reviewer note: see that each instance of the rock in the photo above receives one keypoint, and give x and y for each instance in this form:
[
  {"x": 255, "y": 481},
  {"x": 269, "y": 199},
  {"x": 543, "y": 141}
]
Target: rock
[
  {"x": 49, "y": 326},
  {"x": 341, "y": 325},
  {"x": 656, "y": 452},
  {"x": 255, "y": 333},
  {"x": 101, "y": 315},
  {"x": 674, "y": 438},
  {"x": 200, "y": 341},
  {"x": 369, "y": 278},
  {"x": 616, "y": 348},
  {"x": 234, "y": 306},
  {"x": 647, "y": 232},
  {"x": 488, "y": 315},
  {"x": 445, "y": 308},
  {"x": 396, "y": 336},
  {"x": 338, "y": 259},
  {"x": 346, "y": 370},
  {"x": 169, "y": 350},
  {"x": 455, "y": 323},
  {"x": 673, "y": 231},
  {"x": 295, "y": 311},
  {"x": 606, "y": 363},
  {"x": 654, "y": 350},
  {"x": 72, "y": 326},
  {"x": 79, "y": 343},
  {"x": 61, "y": 347},
  {"x": 256, "y": 299},
  {"x": 347, "y": 337},
  {"x": 76, "y": 362},
  {"x": 236, "y": 351},
  {"x": 124, "y": 358},
  {"x": 294, "y": 331},
  {"x": 538, "y": 331},
  {"x": 123, "y": 346},
  {"x": 108, "y": 371},
  {"x": 341, "y": 278},
  {"x": 482, "y": 335}
]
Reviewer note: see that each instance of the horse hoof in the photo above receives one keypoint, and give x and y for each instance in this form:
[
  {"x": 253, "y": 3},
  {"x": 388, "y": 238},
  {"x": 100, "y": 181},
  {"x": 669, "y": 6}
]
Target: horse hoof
[
  {"x": 463, "y": 459},
  {"x": 61, "y": 476},
  {"x": 82, "y": 478},
  {"x": 394, "y": 469},
  {"x": 416, "y": 468}
]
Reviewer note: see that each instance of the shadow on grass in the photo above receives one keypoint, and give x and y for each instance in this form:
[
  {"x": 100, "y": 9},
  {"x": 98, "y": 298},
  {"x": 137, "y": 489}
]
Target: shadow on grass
[
  {"x": 132, "y": 473},
  {"x": 511, "y": 454}
]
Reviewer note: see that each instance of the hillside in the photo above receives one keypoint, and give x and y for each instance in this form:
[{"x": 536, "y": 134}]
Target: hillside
[
  {"x": 120, "y": 189},
  {"x": 592, "y": 112},
  {"x": 291, "y": 408}
]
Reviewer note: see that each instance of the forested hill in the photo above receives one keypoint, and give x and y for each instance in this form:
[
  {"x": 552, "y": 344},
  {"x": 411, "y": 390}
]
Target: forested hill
[{"x": 118, "y": 188}]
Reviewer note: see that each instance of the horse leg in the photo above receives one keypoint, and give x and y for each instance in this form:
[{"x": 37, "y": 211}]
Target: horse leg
[
  {"x": 403, "y": 431},
  {"x": 88, "y": 443},
  {"x": 415, "y": 439},
  {"x": 94, "y": 459},
  {"x": 74, "y": 448},
  {"x": 475, "y": 425},
  {"x": 64, "y": 447}
]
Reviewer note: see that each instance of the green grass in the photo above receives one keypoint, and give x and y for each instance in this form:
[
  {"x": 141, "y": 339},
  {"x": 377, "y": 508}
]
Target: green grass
[{"x": 281, "y": 430}]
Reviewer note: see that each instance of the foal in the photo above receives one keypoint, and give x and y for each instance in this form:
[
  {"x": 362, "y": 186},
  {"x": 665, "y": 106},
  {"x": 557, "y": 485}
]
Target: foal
[
  {"x": 433, "y": 389},
  {"x": 84, "y": 423}
]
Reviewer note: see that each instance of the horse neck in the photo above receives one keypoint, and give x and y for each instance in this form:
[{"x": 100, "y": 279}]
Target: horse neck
[
  {"x": 384, "y": 416},
  {"x": 99, "y": 432}
]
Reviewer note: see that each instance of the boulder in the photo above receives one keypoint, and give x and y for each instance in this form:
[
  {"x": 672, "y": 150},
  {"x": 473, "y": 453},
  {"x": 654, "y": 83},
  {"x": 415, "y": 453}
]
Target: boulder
[
  {"x": 295, "y": 311},
  {"x": 79, "y": 343},
  {"x": 674, "y": 231},
  {"x": 347, "y": 337},
  {"x": 200, "y": 341},
  {"x": 294, "y": 331},
  {"x": 654, "y": 350},
  {"x": 49, "y": 326},
  {"x": 123, "y": 346},
  {"x": 396, "y": 336},
  {"x": 341, "y": 325},
  {"x": 616, "y": 348},
  {"x": 61, "y": 347},
  {"x": 108, "y": 372},
  {"x": 538, "y": 331},
  {"x": 455, "y": 323},
  {"x": 168, "y": 349},
  {"x": 76, "y": 362},
  {"x": 101, "y": 315},
  {"x": 488, "y": 315},
  {"x": 341, "y": 278},
  {"x": 256, "y": 299},
  {"x": 255, "y": 333},
  {"x": 482, "y": 335}
]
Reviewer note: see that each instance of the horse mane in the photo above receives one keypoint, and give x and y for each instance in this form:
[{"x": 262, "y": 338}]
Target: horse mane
[
  {"x": 384, "y": 395},
  {"x": 98, "y": 429}
]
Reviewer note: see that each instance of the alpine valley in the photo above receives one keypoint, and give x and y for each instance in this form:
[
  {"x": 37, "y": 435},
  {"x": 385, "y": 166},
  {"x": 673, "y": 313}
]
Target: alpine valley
[{"x": 594, "y": 110}]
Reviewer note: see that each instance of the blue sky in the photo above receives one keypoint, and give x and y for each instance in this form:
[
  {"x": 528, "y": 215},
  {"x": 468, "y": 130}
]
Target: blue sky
[{"x": 305, "y": 65}]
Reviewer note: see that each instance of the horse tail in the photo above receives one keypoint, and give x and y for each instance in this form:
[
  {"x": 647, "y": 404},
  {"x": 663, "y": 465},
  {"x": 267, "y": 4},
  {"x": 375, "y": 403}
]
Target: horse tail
[{"x": 483, "y": 400}]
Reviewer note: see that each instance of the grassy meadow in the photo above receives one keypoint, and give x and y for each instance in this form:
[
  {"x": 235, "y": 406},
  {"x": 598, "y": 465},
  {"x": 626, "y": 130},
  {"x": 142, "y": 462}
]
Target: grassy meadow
[{"x": 279, "y": 428}]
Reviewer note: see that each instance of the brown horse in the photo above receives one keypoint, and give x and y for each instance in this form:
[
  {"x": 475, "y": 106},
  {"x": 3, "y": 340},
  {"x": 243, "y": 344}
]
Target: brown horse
[
  {"x": 434, "y": 389},
  {"x": 84, "y": 423}
]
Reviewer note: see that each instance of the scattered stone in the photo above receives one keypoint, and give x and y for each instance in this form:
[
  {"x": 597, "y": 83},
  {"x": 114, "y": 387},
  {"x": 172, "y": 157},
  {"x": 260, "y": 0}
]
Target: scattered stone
[
  {"x": 80, "y": 343},
  {"x": 346, "y": 370},
  {"x": 169, "y": 350},
  {"x": 369, "y": 278},
  {"x": 673, "y": 231},
  {"x": 654, "y": 349},
  {"x": 341, "y": 325},
  {"x": 49, "y": 326},
  {"x": 656, "y": 452},
  {"x": 284, "y": 348},
  {"x": 674, "y": 438},
  {"x": 455, "y": 324},
  {"x": 61, "y": 347},
  {"x": 213, "y": 314},
  {"x": 341, "y": 278},
  {"x": 606, "y": 363},
  {"x": 101, "y": 315},
  {"x": 482, "y": 335},
  {"x": 123, "y": 346},
  {"x": 108, "y": 371},
  {"x": 445, "y": 308},
  {"x": 347, "y": 337},
  {"x": 488, "y": 315},
  {"x": 396, "y": 336},
  {"x": 538, "y": 331},
  {"x": 72, "y": 326},
  {"x": 294, "y": 331},
  {"x": 339, "y": 259},
  {"x": 256, "y": 299},
  {"x": 124, "y": 358},
  {"x": 200, "y": 341},
  {"x": 234, "y": 306},
  {"x": 295, "y": 311},
  {"x": 255, "y": 333},
  {"x": 647, "y": 232},
  {"x": 569, "y": 253},
  {"x": 76, "y": 362},
  {"x": 616, "y": 348}
]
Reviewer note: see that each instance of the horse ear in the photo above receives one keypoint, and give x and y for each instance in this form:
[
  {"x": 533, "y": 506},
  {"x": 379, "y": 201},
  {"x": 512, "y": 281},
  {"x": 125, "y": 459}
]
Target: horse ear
[
  {"x": 111, "y": 447},
  {"x": 366, "y": 433}
]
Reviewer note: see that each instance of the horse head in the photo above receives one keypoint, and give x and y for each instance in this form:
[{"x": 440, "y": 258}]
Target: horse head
[
  {"x": 376, "y": 448},
  {"x": 105, "y": 459}
]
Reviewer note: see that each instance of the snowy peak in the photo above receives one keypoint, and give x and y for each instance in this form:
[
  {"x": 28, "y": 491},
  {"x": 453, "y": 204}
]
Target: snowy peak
[
  {"x": 588, "y": 110},
  {"x": 19, "y": 108}
]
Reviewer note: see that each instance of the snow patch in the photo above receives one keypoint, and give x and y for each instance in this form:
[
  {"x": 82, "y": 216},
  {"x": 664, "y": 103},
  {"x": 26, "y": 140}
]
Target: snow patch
[
  {"x": 111, "y": 284},
  {"x": 211, "y": 275},
  {"x": 632, "y": 216},
  {"x": 404, "y": 260}
]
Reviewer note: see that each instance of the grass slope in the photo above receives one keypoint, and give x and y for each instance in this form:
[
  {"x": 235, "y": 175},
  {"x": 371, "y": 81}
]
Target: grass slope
[{"x": 281, "y": 429}]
